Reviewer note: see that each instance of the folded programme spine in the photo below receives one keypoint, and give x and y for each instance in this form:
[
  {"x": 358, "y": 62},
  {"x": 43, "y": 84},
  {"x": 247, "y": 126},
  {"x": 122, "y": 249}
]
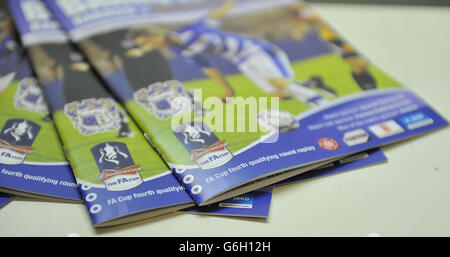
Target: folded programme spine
[{"x": 32, "y": 161}]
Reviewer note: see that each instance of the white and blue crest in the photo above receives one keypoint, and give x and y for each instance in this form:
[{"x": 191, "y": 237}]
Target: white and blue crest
[
  {"x": 93, "y": 116},
  {"x": 166, "y": 99},
  {"x": 29, "y": 97}
]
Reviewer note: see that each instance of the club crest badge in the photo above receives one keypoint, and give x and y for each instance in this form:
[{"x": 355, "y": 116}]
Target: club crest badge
[
  {"x": 166, "y": 99},
  {"x": 205, "y": 148},
  {"x": 117, "y": 169},
  {"x": 16, "y": 138},
  {"x": 93, "y": 116},
  {"x": 29, "y": 97}
]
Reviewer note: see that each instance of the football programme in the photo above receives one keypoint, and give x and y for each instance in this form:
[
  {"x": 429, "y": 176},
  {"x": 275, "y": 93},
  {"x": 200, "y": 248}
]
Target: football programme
[
  {"x": 32, "y": 160},
  {"x": 238, "y": 95},
  {"x": 120, "y": 177}
]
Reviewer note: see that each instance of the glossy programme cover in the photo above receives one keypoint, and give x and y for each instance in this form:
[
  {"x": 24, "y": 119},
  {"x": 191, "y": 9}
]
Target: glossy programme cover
[
  {"x": 32, "y": 161},
  {"x": 120, "y": 177},
  {"x": 236, "y": 94}
]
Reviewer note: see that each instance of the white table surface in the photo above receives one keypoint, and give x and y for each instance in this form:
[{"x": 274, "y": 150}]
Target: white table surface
[{"x": 408, "y": 196}]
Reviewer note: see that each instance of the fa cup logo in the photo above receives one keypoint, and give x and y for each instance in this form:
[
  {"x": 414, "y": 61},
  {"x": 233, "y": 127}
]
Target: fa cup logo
[
  {"x": 205, "y": 148},
  {"x": 16, "y": 139},
  {"x": 117, "y": 169}
]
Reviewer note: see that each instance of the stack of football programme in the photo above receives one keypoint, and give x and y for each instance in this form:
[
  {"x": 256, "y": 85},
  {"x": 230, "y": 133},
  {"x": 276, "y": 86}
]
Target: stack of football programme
[{"x": 197, "y": 106}]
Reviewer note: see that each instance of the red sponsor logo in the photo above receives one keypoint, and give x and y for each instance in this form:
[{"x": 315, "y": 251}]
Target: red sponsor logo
[
  {"x": 131, "y": 170},
  {"x": 328, "y": 144},
  {"x": 385, "y": 127},
  {"x": 16, "y": 148},
  {"x": 199, "y": 153}
]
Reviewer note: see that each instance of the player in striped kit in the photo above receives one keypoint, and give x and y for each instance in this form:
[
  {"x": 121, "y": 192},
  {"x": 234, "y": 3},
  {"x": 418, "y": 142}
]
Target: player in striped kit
[{"x": 264, "y": 63}]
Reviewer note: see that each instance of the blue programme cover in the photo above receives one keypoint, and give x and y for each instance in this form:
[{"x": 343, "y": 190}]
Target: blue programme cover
[
  {"x": 4, "y": 199},
  {"x": 255, "y": 204},
  {"x": 32, "y": 161},
  {"x": 178, "y": 68}
]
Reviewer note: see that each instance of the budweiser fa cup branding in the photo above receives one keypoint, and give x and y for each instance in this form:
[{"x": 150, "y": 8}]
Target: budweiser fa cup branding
[
  {"x": 16, "y": 138},
  {"x": 117, "y": 169},
  {"x": 205, "y": 148}
]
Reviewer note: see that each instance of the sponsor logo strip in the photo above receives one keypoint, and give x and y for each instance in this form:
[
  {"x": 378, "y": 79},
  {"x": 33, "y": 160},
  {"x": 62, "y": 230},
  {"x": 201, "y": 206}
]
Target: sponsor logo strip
[
  {"x": 356, "y": 137},
  {"x": 416, "y": 120},
  {"x": 386, "y": 129},
  {"x": 242, "y": 202}
]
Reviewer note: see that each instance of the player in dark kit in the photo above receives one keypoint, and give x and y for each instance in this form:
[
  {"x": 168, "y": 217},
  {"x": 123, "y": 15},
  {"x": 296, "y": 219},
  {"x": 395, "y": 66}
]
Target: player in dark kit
[
  {"x": 68, "y": 78},
  {"x": 127, "y": 74},
  {"x": 303, "y": 15}
]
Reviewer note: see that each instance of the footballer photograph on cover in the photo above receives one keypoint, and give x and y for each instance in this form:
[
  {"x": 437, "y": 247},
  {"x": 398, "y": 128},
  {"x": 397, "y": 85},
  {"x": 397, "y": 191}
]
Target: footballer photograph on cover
[
  {"x": 218, "y": 49},
  {"x": 146, "y": 111},
  {"x": 242, "y": 54},
  {"x": 164, "y": 62}
]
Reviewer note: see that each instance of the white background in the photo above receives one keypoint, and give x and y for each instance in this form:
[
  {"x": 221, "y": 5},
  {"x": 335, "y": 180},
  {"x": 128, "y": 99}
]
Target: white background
[{"x": 408, "y": 196}]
